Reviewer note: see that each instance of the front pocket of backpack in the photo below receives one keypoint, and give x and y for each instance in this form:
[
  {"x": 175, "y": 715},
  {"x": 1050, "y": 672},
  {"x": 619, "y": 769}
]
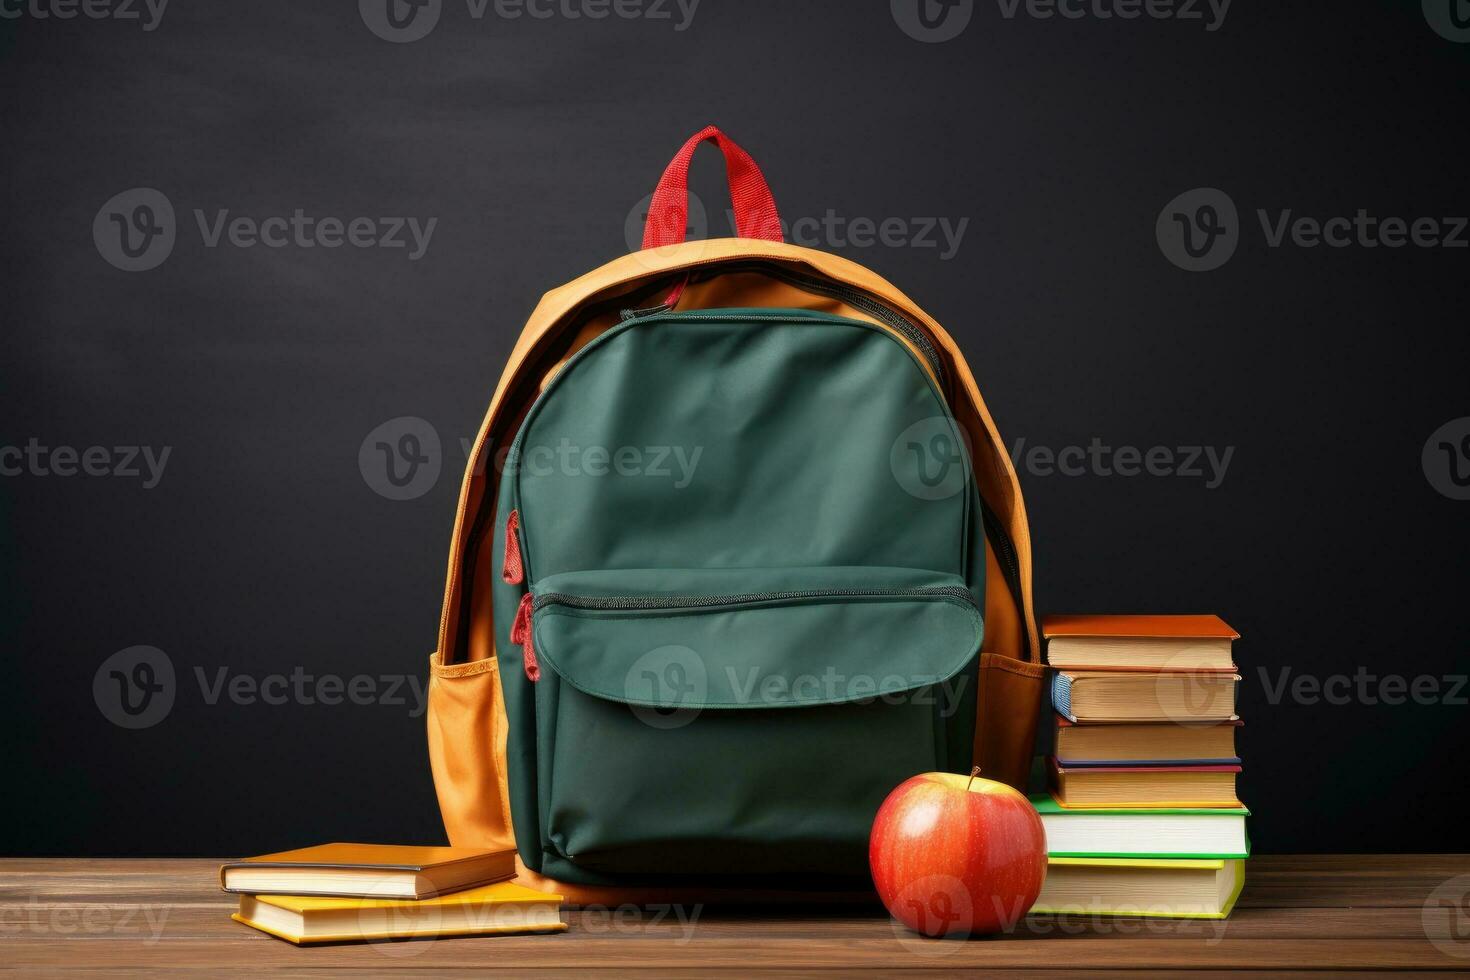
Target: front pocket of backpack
[{"x": 727, "y": 730}]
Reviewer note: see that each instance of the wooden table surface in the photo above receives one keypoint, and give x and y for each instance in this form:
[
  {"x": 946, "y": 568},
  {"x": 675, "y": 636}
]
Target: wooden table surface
[{"x": 1316, "y": 912}]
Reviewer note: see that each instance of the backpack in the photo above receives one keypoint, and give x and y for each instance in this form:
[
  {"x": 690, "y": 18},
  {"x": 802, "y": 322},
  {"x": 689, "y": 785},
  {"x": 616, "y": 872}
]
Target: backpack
[{"x": 738, "y": 550}]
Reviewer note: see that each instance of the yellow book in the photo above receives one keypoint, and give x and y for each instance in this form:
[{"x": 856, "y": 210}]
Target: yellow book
[
  {"x": 1155, "y": 888},
  {"x": 487, "y": 910}
]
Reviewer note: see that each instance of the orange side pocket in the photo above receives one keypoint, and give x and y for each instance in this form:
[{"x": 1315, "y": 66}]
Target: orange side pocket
[
  {"x": 1005, "y": 731},
  {"x": 467, "y": 752}
]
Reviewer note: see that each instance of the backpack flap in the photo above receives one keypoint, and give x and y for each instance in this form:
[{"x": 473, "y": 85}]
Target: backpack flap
[{"x": 713, "y": 733}]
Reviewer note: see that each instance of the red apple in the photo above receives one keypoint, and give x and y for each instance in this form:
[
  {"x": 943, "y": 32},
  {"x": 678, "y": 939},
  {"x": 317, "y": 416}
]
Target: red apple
[{"x": 955, "y": 854}]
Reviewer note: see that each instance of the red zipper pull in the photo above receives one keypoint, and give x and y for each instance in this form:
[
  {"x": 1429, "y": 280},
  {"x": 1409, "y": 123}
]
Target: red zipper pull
[
  {"x": 512, "y": 570},
  {"x": 521, "y": 635}
]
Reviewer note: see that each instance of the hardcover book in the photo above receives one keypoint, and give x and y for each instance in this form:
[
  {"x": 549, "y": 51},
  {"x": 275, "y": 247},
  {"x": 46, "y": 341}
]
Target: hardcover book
[
  {"x": 1195, "y": 643},
  {"x": 1130, "y": 696},
  {"x": 487, "y": 910},
  {"x": 1171, "y": 889},
  {"x": 1157, "y": 832},
  {"x": 1154, "y": 743},
  {"x": 370, "y": 870},
  {"x": 1146, "y": 786}
]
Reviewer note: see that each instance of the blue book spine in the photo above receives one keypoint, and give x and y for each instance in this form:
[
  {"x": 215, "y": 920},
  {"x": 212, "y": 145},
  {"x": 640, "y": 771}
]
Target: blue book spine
[{"x": 1061, "y": 695}]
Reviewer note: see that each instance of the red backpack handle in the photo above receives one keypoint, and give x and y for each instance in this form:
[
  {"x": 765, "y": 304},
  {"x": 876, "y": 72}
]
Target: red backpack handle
[{"x": 755, "y": 209}]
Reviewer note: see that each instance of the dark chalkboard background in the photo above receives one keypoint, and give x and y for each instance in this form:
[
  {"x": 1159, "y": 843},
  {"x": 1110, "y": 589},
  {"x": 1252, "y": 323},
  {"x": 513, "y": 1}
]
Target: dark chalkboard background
[{"x": 1335, "y": 541}]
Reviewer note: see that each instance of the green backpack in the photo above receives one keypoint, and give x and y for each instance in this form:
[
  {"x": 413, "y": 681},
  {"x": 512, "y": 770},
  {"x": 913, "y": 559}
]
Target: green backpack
[{"x": 741, "y": 572}]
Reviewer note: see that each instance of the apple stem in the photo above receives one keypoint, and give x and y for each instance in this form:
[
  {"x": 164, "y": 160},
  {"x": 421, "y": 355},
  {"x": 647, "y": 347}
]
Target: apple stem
[{"x": 973, "y": 773}]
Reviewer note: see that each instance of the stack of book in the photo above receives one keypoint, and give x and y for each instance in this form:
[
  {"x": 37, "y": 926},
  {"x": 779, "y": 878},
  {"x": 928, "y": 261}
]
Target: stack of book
[
  {"x": 335, "y": 893},
  {"x": 1143, "y": 817}
]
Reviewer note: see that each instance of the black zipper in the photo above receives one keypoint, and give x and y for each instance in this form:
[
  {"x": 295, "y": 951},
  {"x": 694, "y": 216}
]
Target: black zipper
[
  {"x": 616, "y": 603},
  {"x": 1010, "y": 566}
]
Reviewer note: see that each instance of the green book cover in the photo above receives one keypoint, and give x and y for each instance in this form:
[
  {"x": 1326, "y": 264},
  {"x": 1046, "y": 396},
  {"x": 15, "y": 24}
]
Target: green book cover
[{"x": 1048, "y": 807}]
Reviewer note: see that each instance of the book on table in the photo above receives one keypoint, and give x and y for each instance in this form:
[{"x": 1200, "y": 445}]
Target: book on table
[
  {"x": 504, "y": 907},
  {"x": 1165, "y": 888},
  {"x": 369, "y": 870}
]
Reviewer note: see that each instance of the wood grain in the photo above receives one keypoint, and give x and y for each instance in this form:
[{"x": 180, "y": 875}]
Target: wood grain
[{"x": 1298, "y": 913}]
